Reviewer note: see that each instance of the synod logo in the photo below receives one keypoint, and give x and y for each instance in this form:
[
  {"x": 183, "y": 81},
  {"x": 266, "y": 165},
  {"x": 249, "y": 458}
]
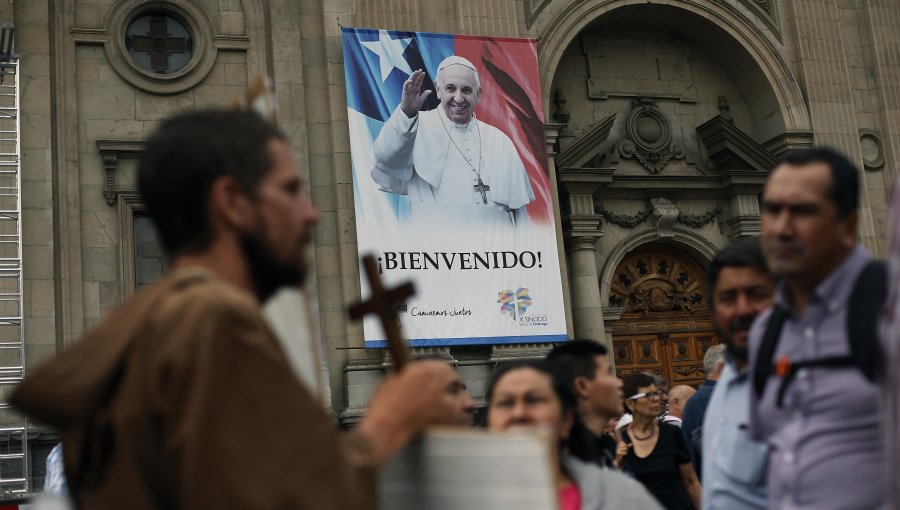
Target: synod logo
[{"x": 514, "y": 303}]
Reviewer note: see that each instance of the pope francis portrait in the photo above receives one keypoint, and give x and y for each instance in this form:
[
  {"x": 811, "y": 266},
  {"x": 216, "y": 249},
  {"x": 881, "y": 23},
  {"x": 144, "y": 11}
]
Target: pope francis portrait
[{"x": 448, "y": 163}]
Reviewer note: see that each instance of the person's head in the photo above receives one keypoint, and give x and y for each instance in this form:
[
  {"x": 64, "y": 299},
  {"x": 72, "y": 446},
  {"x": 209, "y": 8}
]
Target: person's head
[
  {"x": 740, "y": 288},
  {"x": 458, "y": 391},
  {"x": 810, "y": 217},
  {"x": 642, "y": 397},
  {"x": 714, "y": 361},
  {"x": 678, "y": 397},
  {"x": 210, "y": 177},
  {"x": 585, "y": 366},
  {"x": 530, "y": 394},
  {"x": 458, "y": 88}
]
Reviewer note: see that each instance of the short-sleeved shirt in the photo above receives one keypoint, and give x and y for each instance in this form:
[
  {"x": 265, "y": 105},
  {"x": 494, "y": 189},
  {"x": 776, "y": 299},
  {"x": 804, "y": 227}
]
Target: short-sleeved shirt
[{"x": 659, "y": 471}]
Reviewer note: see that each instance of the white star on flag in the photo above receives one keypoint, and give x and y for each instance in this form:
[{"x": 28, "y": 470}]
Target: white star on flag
[{"x": 390, "y": 53}]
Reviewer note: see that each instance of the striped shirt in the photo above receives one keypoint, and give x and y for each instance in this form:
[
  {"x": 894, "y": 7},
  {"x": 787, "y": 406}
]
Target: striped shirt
[{"x": 734, "y": 466}]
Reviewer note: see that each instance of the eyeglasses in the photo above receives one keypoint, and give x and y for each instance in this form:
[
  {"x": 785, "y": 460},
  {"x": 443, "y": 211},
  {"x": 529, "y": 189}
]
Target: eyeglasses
[{"x": 648, "y": 394}]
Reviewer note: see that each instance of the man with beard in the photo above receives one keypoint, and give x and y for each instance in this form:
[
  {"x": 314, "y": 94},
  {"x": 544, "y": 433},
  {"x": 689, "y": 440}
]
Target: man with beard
[
  {"x": 182, "y": 398},
  {"x": 814, "y": 398},
  {"x": 450, "y": 164},
  {"x": 734, "y": 466}
]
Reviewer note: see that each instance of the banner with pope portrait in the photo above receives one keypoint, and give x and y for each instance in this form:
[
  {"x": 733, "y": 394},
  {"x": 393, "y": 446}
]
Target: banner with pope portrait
[{"x": 451, "y": 186}]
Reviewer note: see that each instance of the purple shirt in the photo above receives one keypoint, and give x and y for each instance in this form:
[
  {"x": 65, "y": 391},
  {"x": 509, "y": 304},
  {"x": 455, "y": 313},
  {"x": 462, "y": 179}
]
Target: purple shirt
[
  {"x": 825, "y": 446},
  {"x": 891, "y": 340}
]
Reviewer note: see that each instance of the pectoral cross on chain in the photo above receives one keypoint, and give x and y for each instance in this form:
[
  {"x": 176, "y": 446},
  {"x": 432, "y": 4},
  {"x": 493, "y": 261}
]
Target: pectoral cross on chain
[
  {"x": 483, "y": 189},
  {"x": 384, "y": 303}
]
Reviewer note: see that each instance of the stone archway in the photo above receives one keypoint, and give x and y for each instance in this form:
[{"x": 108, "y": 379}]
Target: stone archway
[
  {"x": 665, "y": 326},
  {"x": 753, "y": 55}
]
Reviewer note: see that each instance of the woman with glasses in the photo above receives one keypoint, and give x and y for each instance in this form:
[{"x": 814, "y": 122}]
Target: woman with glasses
[
  {"x": 529, "y": 394},
  {"x": 656, "y": 453}
]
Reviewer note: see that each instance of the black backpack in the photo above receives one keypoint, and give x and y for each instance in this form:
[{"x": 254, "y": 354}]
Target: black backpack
[{"x": 864, "y": 309}]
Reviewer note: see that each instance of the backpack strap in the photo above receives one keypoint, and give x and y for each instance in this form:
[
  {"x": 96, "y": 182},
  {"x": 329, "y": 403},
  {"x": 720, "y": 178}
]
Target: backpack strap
[
  {"x": 766, "y": 354},
  {"x": 863, "y": 313},
  {"x": 864, "y": 309}
]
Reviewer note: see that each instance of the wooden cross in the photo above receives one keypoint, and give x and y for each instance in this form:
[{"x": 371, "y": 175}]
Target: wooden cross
[
  {"x": 383, "y": 303},
  {"x": 483, "y": 189}
]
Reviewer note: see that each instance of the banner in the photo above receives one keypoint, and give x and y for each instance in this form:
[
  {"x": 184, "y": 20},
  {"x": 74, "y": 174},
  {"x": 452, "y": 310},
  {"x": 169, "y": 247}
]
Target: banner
[{"x": 451, "y": 186}]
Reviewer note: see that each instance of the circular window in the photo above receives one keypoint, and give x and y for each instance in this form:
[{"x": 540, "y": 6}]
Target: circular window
[
  {"x": 160, "y": 46},
  {"x": 159, "y": 42}
]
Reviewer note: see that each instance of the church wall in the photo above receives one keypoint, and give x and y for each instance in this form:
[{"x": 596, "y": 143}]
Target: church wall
[
  {"x": 830, "y": 64},
  {"x": 827, "y": 64},
  {"x": 41, "y": 317}
]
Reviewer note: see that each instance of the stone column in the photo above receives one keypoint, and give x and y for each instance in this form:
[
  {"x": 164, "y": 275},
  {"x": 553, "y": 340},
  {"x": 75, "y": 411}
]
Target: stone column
[{"x": 581, "y": 231}]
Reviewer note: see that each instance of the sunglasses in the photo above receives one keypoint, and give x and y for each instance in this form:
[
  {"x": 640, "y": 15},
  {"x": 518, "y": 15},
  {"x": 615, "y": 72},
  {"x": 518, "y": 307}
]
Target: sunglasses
[{"x": 648, "y": 394}]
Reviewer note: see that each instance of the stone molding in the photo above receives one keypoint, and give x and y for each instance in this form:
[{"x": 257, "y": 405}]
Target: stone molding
[
  {"x": 533, "y": 8},
  {"x": 586, "y": 147},
  {"x": 732, "y": 149},
  {"x": 788, "y": 141},
  {"x": 112, "y": 151},
  {"x": 581, "y": 223},
  {"x": 767, "y": 13},
  {"x": 648, "y": 138},
  {"x": 130, "y": 204}
]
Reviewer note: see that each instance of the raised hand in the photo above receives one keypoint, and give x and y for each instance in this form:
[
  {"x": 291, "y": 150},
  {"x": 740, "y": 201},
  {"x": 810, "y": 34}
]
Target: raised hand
[{"x": 412, "y": 99}]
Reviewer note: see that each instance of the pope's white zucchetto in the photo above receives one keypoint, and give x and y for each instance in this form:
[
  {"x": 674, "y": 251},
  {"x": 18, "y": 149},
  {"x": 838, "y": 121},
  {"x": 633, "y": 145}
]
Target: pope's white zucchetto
[{"x": 455, "y": 60}]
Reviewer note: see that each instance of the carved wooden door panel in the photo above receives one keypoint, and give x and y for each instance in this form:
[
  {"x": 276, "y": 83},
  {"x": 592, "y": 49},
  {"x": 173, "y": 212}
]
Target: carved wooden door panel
[{"x": 665, "y": 326}]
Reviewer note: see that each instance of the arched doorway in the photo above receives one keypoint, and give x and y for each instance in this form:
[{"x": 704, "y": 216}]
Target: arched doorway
[{"x": 665, "y": 326}]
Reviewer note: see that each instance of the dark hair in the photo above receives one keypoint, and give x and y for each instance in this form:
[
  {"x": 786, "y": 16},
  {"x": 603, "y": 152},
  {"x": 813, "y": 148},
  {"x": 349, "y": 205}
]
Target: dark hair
[
  {"x": 745, "y": 252},
  {"x": 560, "y": 386},
  {"x": 576, "y": 359},
  {"x": 634, "y": 382},
  {"x": 183, "y": 158},
  {"x": 844, "y": 188}
]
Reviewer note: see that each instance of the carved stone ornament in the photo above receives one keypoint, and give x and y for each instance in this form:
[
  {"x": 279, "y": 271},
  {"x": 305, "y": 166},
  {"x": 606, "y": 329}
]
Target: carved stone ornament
[
  {"x": 661, "y": 210},
  {"x": 561, "y": 114},
  {"x": 649, "y": 137},
  {"x": 655, "y": 283},
  {"x": 111, "y": 151},
  {"x": 664, "y": 215},
  {"x": 699, "y": 220},
  {"x": 872, "y": 149},
  {"x": 624, "y": 220}
]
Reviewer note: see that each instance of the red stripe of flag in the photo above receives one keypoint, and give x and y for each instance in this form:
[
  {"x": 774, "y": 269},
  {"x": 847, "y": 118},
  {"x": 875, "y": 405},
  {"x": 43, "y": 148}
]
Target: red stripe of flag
[{"x": 511, "y": 102}]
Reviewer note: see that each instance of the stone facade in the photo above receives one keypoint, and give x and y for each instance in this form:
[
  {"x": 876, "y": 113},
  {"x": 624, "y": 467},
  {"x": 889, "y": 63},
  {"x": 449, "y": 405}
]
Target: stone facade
[{"x": 664, "y": 117}]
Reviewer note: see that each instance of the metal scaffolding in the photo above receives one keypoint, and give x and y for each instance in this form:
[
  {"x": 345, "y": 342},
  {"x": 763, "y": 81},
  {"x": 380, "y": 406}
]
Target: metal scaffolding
[{"x": 14, "y": 454}]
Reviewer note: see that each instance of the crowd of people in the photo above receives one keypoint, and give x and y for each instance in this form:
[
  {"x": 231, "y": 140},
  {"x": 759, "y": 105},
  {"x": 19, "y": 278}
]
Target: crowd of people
[{"x": 155, "y": 404}]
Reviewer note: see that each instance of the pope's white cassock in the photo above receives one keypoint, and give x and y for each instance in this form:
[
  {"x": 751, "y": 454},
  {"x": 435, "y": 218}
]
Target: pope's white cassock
[{"x": 437, "y": 163}]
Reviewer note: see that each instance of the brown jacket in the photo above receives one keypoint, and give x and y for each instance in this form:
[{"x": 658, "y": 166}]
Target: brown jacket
[{"x": 183, "y": 399}]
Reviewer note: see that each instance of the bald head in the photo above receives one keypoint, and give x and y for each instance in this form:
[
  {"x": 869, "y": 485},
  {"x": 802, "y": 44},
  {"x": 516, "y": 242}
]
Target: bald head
[{"x": 678, "y": 397}]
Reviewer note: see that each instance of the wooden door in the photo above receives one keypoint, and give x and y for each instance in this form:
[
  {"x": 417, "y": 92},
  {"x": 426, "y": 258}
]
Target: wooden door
[{"x": 665, "y": 327}]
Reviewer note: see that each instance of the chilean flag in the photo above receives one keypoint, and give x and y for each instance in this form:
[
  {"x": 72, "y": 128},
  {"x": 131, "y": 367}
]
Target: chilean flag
[{"x": 377, "y": 62}]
